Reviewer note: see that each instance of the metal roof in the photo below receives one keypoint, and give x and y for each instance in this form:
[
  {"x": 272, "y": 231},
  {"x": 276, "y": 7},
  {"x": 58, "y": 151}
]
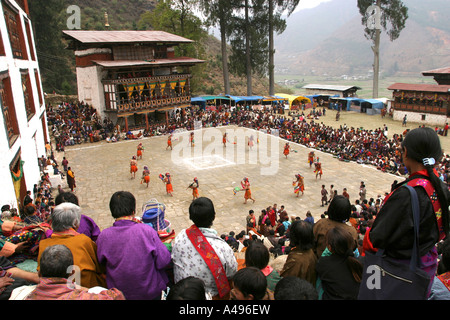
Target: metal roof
[
  {"x": 99, "y": 37},
  {"x": 156, "y": 62},
  {"x": 420, "y": 87},
  {"x": 437, "y": 71},
  {"x": 330, "y": 87}
]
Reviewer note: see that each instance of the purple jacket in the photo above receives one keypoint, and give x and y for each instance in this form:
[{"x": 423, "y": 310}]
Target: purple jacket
[{"x": 135, "y": 259}]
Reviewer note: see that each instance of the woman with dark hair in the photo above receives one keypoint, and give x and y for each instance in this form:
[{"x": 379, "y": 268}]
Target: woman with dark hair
[
  {"x": 393, "y": 228},
  {"x": 340, "y": 272},
  {"x": 301, "y": 260},
  {"x": 339, "y": 211},
  {"x": 249, "y": 284},
  {"x": 189, "y": 288}
]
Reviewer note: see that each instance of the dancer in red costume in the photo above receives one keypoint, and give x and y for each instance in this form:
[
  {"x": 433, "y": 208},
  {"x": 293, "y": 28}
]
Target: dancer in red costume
[
  {"x": 248, "y": 193},
  {"x": 311, "y": 158},
  {"x": 318, "y": 171},
  {"x": 168, "y": 181},
  {"x": 169, "y": 142},
  {"x": 194, "y": 186},
  {"x": 287, "y": 149},
  {"x": 146, "y": 176},
  {"x": 299, "y": 184},
  {"x": 140, "y": 149},
  {"x": 133, "y": 167}
]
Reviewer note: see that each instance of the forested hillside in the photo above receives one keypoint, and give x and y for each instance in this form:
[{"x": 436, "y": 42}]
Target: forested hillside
[{"x": 49, "y": 18}]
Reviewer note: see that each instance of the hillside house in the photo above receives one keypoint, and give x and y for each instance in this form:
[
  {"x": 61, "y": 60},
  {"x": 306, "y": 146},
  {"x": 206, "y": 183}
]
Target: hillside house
[{"x": 129, "y": 75}]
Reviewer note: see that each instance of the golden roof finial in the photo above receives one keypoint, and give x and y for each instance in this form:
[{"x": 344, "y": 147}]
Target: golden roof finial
[{"x": 106, "y": 20}]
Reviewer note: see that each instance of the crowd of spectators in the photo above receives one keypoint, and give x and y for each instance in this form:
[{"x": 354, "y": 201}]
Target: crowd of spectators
[
  {"x": 74, "y": 123},
  {"x": 277, "y": 256}
]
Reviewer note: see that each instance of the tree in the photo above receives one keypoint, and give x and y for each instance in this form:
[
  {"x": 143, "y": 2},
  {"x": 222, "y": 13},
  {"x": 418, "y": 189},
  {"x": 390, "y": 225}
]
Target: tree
[
  {"x": 275, "y": 9},
  {"x": 48, "y": 18},
  {"x": 392, "y": 16},
  {"x": 220, "y": 12},
  {"x": 249, "y": 52}
]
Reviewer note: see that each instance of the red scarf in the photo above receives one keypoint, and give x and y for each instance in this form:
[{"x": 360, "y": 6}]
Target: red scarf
[
  {"x": 431, "y": 192},
  {"x": 445, "y": 278},
  {"x": 212, "y": 260}
]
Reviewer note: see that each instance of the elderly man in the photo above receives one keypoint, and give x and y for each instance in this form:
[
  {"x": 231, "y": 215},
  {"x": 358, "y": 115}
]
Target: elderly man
[
  {"x": 200, "y": 252},
  {"x": 55, "y": 281},
  {"x": 65, "y": 221}
]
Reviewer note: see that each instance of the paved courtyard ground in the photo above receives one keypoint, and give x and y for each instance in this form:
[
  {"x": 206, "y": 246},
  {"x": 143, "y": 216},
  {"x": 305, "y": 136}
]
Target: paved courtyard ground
[{"x": 103, "y": 168}]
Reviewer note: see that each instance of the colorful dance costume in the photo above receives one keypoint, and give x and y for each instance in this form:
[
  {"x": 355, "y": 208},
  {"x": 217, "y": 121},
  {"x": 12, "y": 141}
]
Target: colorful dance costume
[{"x": 133, "y": 165}]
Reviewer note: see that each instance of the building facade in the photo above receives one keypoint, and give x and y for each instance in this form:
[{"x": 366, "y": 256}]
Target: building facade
[
  {"x": 423, "y": 103},
  {"x": 130, "y": 75},
  {"x": 25, "y": 133}
]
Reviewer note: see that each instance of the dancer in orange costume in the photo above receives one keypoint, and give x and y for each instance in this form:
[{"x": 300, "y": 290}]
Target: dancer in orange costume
[
  {"x": 287, "y": 149},
  {"x": 169, "y": 142},
  {"x": 318, "y": 170},
  {"x": 168, "y": 181},
  {"x": 194, "y": 186},
  {"x": 248, "y": 193},
  {"x": 299, "y": 184},
  {"x": 251, "y": 142},
  {"x": 224, "y": 139},
  {"x": 145, "y": 176},
  {"x": 133, "y": 167},
  {"x": 191, "y": 140},
  {"x": 311, "y": 158},
  {"x": 140, "y": 148}
]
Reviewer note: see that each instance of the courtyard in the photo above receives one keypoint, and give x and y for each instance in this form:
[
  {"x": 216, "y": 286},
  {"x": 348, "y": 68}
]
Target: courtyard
[{"x": 103, "y": 168}]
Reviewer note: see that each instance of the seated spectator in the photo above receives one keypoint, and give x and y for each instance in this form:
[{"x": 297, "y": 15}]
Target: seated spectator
[
  {"x": 338, "y": 212},
  {"x": 138, "y": 266},
  {"x": 309, "y": 218},
  {"x": 340, "y": 272},
  {"x": 32, "y": 215},
  {"x": 87, "y": 224},
  {"x": 190, "y": 288},
  {"x": 301, "y": 260},
  {"x": 257, "y": 255},
  {"x": 8, "y": 248},
  {"x": 54, "y": 282},
  {"x": 440, "y": 289},
  {"x": 187, "y": 251},
  {"x": 294, "y": 288},
  {"x": 249, "y": 284},
  {"x": 12, "y": 278},
  {"x": 65, "y": 221}
]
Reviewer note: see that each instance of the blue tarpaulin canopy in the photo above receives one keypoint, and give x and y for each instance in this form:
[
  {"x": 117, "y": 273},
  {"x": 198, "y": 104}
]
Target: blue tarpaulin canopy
[
  {"x": 376, "y": 104},
  {"x": 363, "y": 103}
]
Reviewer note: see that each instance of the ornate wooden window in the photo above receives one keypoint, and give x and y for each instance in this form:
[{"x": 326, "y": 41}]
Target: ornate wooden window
[
  {"x": 30, "y": 39},
  {"x": 2, "y": 46},
  {"x": 38, "y": 86},
  {"x": 16, "y": 38},
  {"x": 8, "y": 109},
  {"x": 28, "y": 95}
]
